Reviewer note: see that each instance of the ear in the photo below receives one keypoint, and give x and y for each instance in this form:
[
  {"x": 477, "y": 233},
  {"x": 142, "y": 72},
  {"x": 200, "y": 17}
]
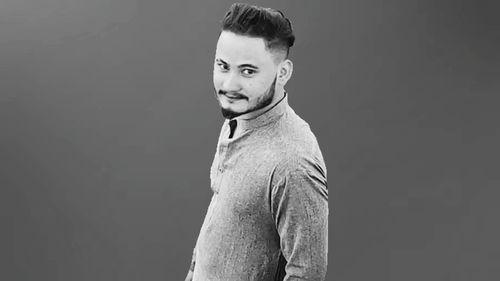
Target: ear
[{"x": 285, "y": 70}]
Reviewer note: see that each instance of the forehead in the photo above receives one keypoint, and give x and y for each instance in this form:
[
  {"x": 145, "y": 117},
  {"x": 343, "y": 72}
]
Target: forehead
[{"x": 235, "y": 48}]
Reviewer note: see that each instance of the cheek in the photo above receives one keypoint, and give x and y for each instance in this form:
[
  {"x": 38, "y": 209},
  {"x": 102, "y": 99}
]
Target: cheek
[
  {"x": 215, "y": 78},
  {"x": 256, "y": 89}
]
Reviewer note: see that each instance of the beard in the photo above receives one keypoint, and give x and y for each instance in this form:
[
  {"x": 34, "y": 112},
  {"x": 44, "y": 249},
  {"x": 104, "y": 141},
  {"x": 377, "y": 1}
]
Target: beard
[{"x": 262, "y": 102}]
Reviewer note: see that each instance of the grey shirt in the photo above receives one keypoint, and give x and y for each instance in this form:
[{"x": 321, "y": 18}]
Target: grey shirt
[{"x": 268, "y": 216}]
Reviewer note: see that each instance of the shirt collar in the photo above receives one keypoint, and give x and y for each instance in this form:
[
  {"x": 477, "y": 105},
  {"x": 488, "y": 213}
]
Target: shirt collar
[{"x": 257, "y": 119}]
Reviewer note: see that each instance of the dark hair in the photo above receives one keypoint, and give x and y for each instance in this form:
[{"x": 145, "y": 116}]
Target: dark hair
[{"x": 266, "y": 23}]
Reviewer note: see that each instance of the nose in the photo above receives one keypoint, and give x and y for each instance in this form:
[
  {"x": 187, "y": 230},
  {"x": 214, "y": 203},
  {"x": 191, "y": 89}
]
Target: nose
[{"x": 230, "y": 82}]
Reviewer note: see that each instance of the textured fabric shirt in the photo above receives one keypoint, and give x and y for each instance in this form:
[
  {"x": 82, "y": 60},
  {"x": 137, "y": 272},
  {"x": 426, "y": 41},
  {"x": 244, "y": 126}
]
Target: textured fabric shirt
[{"x": 268, "y": 216}]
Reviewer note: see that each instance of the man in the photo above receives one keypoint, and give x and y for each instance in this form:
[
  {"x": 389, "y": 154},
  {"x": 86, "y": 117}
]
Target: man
[{"x": 268, "y": 216}]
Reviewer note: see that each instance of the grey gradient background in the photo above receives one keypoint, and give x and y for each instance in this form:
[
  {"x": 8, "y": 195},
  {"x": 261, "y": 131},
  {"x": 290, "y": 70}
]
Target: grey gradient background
[{"x": 108, "y": 127}]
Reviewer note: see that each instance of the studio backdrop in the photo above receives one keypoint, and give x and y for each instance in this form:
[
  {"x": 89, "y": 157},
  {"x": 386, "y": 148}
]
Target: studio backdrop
[{"x": 108, "y": 127}]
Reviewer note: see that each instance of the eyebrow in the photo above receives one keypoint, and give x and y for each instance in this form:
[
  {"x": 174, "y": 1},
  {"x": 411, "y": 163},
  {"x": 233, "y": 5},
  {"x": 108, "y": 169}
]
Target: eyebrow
[{"x": 246, "y": 65}]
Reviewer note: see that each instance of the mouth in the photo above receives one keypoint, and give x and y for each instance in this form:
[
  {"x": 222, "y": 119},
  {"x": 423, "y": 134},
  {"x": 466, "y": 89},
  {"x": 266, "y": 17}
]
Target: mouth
[{"x": 233, "y": 97}]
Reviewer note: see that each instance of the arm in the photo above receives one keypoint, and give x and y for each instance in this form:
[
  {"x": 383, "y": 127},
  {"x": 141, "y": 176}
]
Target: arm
[
  {"x": 300, "y": 210},
  {"x": 189, "y": 275}
]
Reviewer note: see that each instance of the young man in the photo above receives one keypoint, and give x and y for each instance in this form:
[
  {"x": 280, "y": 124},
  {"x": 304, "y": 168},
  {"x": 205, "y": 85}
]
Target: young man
[{"x": 268, "y": 216}]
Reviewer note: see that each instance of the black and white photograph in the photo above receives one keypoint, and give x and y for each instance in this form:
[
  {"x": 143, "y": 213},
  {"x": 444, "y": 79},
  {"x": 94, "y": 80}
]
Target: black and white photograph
[{"x": 283, "y": 140}]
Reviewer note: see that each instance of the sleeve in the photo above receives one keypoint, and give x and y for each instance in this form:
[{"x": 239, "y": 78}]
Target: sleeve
[
  {"x": 193, "y": 260},
  {"x": 207, "y": 215},
  {"x": 300, "y": 211}
]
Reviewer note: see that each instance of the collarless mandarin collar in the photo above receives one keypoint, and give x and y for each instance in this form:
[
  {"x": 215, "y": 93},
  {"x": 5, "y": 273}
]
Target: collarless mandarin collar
[{"x": 264, "y": 118}]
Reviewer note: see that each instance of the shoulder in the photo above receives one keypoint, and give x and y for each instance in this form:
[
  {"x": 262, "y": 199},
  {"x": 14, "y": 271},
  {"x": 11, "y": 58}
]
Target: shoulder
[
  {"x": 297, "y": 144},
  {"x": 300, "y": 176},
  {"x": 301, "y": 164},
  {"x": 300, "y": 167}
]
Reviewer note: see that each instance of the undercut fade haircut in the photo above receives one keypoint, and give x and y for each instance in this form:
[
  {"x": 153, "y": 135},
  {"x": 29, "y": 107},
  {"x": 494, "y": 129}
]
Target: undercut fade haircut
[{"x": 266, "y": 23}]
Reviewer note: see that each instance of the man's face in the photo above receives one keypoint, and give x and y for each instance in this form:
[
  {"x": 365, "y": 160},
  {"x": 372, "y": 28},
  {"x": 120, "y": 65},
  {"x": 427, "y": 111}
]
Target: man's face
[{"x": 244, "y": 74}]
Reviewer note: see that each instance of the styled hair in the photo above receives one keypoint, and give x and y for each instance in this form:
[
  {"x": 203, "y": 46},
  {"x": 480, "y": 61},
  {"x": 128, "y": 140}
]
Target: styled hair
[{"x": 266, "y": 23}]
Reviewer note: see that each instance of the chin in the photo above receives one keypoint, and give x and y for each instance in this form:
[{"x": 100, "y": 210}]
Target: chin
[
  {"x": 229, "y": 114},
  {"x": 233, "y": 108}
]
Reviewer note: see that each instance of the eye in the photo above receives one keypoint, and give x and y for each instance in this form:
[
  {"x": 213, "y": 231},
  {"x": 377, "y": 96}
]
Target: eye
[
  {"x": 222, "y": 66},
  {"x": 248, "y": 71}
]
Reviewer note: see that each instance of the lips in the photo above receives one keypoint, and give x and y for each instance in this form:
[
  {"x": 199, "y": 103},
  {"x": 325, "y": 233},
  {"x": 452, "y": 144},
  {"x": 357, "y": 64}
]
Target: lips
[{"x": 234, "y": 97}]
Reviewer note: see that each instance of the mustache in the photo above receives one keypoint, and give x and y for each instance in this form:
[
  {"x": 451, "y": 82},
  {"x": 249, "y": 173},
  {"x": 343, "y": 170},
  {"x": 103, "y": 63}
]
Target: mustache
[{"x": 232, "y": 94}]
